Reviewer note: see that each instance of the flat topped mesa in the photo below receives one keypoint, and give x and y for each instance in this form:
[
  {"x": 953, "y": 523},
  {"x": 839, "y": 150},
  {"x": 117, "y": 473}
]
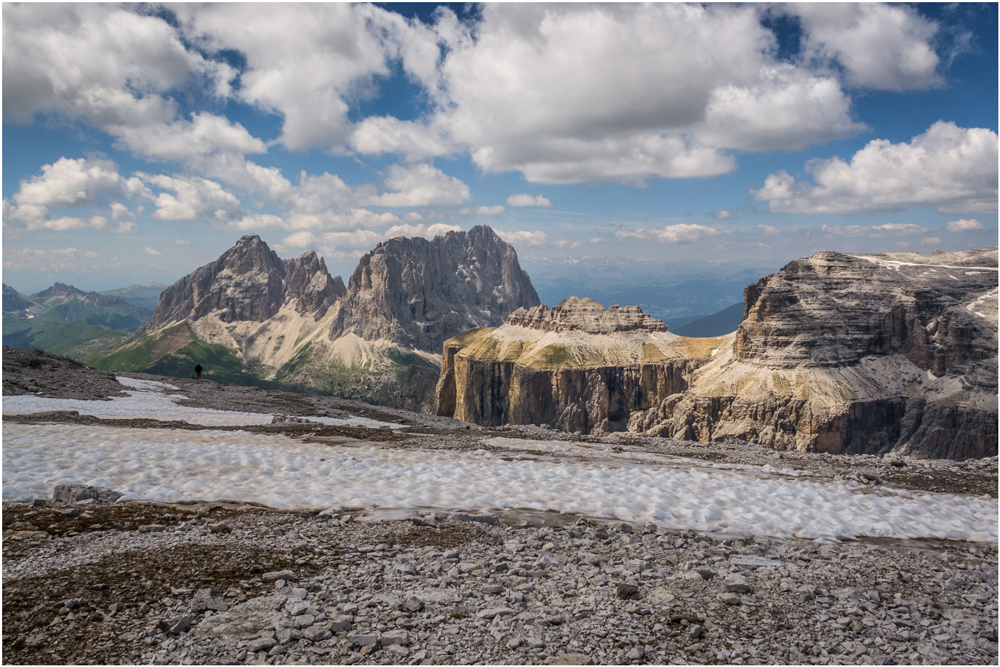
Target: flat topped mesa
[{"x": 576, "y": 314}]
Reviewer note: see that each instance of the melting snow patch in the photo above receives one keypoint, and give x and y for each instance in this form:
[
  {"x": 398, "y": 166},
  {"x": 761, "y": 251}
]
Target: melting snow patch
[
  {"x": 166, "y": 465},
  {"x": 146, "y": 385},
  {"x": 137, "y": 405},
  {"x": 148, "y": 401}
]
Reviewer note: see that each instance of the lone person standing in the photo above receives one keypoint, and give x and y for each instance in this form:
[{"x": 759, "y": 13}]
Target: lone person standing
[{"x": 197, "y": 371}]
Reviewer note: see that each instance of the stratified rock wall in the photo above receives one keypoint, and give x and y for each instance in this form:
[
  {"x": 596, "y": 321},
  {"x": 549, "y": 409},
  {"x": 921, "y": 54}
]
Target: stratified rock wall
[
  {"x": 836, "y": 353},
  {"x": 577, "y": 366}
]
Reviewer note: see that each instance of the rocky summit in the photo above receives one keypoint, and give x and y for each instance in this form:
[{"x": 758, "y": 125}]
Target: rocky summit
[
  {"x": 418, "y": 293},
  {"x": 576, "y": 314},
  {"x": 251, "y": 317},
  {"x": 247, "y": 283},
  {"x": 836, "y": 353}
]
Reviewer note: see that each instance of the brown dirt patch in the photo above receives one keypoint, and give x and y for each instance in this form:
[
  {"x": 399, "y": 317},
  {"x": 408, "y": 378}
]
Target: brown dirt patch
[
  {"x": 448, "y": 536},
  {"x": 130, "y": 579},
  {"x": 176, "y": 338},
  {"x": 945, "y": 481}
]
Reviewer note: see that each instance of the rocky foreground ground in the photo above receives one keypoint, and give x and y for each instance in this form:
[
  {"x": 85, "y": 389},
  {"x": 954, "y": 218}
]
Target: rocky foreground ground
[
  {"x": 144, "y": 583},
  {"x": 91, "y": 581}
]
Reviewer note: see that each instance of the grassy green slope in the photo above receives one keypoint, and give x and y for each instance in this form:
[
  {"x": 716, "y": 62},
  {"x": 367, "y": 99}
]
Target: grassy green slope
[
  {"x": 71, "y": 339},
  {"x": 401, "y": 380},
  {"x": 218, "y": 362}
]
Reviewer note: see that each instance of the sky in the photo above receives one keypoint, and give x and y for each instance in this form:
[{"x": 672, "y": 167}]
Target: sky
[{"x": 141, "y": 141}]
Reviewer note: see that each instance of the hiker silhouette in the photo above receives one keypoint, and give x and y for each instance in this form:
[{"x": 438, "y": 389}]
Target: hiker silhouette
[{"x": 197, "y": 371}]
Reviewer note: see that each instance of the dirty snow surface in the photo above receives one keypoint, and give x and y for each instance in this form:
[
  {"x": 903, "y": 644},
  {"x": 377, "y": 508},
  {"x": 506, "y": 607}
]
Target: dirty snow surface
[
  {"x": 147, "y": 400},
  {"x": 168, "y": 465}
]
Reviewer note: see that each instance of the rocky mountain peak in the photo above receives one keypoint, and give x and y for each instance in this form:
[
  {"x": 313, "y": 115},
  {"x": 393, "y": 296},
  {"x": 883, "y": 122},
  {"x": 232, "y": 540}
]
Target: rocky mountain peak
[
  {"x": 251, "y": 255},
  {"x": 307, "y": 280},
  {"x": 246, "y": 283},
  {"x": 59, "y": 290},
  {"x": 418, "y": 293},
  {"x": 576, "y": 314},
  {"x": 16, "y": 304}
]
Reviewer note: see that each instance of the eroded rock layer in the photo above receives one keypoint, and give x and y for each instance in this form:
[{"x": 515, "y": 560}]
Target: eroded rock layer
[{"x": 836, "y": 353}]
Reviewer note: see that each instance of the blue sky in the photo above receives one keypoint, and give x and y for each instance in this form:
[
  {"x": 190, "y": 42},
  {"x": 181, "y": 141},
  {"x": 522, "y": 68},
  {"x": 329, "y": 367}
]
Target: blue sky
[{"x": 140, "y": 142}]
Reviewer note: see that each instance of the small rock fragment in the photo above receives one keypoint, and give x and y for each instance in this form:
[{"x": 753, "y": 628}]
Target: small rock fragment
[{"x": 627, "y": 591}]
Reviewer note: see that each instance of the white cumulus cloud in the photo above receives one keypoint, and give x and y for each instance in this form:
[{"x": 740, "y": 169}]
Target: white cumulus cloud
[
  {"x": 949, "y": 168},
  {"x": 195, "y": 199},
  {"x": 964, "y": 225},
  {"x": 524, "y": 238},
  {"x": 421, "y": 185},
  {"x": 880, "y": 46},
  {"x": 151, "y": 251},
  {"x": 528, "y": 200},
  {"x": 183, "y": 140},
  {"x": 679, "y": 233}
]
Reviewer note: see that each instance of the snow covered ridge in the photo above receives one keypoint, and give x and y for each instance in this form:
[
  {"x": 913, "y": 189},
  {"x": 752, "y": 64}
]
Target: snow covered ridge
[
  {"x": 147, "y": 400},
  {"x": 168, "y": 466}
]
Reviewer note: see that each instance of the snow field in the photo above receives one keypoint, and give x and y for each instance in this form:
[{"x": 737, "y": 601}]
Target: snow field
[
  {"x": 147, "y": 401},
  {"x": 167, "y": 465}
]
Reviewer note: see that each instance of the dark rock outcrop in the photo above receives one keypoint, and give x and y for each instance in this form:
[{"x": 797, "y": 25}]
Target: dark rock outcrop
[
  {"x": 27, "y": 371},
  {"x": 418, "y": 293},
  {"x": 836, "y": 353}
]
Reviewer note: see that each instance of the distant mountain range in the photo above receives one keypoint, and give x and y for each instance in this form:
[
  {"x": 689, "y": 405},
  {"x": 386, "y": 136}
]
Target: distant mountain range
[
  {"x": 717, "y": 324},
  {"x": 144, "y": 295},
  {"x": 252, "y": 317},
  {"x": 73, "y": 322},
  {"x": 676, "y": 292}
]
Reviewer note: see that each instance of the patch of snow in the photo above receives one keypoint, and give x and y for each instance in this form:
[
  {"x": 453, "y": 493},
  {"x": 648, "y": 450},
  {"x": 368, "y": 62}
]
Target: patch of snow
[
  {"x": 897, "y": 263},
  {"x": 168, "y": 466},
  {"x": 147, "y": 401},
  {"x": 147, "y": 385}
]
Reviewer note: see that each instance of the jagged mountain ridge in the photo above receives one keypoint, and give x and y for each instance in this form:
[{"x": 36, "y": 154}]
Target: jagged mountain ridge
[
  {"x": 289, "y": 322},
  {"x": 836, "y": 353},
  {"x": 248, "y": 283}
]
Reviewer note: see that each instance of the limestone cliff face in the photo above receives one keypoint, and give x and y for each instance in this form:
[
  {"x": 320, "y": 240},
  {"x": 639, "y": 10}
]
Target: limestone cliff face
[
  {"x": 418, "y": 293},
  {"x": 577, "y": 366},
  {"x": 836, "y": 353}
]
